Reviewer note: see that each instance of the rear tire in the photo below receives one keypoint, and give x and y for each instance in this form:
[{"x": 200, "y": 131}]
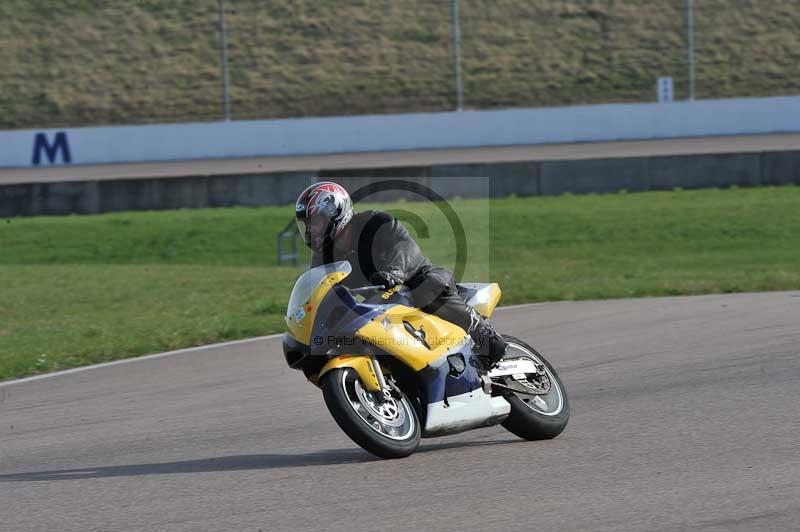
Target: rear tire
[
  {"x": 525, "y": 420},
  {"x": 385, "y": 429}
]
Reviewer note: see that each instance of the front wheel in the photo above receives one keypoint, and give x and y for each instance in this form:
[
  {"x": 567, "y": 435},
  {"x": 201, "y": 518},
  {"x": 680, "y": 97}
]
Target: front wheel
[
  {"x": 535, "y": 417},
  {"x": 386, "y": 427}
]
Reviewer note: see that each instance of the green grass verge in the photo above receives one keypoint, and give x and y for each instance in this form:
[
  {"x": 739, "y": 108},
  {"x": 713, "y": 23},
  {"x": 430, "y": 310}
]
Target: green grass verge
[
  {"x": 84, "y": 289},
  {"x": 78, "y": 62}
]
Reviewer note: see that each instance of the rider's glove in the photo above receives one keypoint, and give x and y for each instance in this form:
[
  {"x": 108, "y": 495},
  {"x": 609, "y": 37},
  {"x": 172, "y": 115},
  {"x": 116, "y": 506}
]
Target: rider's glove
[{"x": 387, "y": 279}]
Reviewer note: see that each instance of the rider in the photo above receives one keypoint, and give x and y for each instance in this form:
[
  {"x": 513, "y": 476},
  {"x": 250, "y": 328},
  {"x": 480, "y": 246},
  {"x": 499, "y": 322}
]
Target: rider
[{"x": 382, "y": 252}]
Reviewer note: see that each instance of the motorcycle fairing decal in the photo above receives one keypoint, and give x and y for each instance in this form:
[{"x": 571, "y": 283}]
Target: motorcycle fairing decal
[
  {"x": 388, "y": 332},
  {"x": 388, "y": 293}
]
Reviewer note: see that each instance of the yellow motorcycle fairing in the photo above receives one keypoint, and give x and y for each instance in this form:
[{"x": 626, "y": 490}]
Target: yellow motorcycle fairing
[
  {"x": 300, "y": 323},
  {"x": 413, "y": 337},
  {"x": 390, "y": 334}
]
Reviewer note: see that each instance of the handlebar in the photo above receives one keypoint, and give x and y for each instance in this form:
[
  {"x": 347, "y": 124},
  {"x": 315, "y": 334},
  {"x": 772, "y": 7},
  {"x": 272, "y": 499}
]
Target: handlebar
[{"x": 367, "y": 289}]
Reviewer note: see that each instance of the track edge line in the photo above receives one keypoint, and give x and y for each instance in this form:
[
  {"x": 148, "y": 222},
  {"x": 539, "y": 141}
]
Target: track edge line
[{"x": 136, "y": 359}]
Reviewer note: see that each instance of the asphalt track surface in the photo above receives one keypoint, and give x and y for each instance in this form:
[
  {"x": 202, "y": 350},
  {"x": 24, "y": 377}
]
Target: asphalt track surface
[
  {"x": 540, "y": 152},
  {"x": 685, "y": 417}
]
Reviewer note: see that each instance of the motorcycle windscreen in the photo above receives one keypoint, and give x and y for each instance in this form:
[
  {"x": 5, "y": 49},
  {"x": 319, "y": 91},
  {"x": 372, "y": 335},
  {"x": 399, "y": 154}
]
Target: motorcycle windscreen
[{"x": 309, "y": 290}]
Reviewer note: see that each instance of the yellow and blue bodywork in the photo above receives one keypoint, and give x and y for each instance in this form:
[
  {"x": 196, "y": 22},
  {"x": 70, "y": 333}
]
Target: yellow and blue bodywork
[{"x": 328, "y": 328}]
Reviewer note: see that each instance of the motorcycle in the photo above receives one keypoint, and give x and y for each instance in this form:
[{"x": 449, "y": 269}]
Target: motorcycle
[{"x": 391, "y": 374}]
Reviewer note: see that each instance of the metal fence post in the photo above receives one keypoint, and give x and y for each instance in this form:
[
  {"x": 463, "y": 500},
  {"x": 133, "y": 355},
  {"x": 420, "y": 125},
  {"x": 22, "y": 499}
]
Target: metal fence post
[
  {"x": 457, "y": 55},
  {"x": 223, "y": 36},
  {"x": 690, "y": 44}
]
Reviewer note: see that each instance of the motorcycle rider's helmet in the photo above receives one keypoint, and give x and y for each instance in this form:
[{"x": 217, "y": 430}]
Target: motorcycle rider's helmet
[{"x": 322, "y": 211}]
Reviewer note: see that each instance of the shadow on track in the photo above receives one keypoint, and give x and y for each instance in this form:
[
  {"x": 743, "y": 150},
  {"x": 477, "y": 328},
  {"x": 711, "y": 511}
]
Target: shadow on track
[{"x": 230, "y": 463}]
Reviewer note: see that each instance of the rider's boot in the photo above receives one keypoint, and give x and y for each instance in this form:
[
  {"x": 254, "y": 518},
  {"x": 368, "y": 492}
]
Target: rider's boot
[{"x": 489, "y": 344}]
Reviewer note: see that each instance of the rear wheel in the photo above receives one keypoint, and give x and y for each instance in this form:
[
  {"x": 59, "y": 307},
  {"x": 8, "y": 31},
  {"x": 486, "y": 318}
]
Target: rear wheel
[
  {"x": 385, "y": 426},
  {"x": 535, "y": 416}
]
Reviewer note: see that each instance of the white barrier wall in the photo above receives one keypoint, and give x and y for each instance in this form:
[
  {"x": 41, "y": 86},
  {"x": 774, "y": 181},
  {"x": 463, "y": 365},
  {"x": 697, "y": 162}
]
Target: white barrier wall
[{"x": 305, "y": 136}]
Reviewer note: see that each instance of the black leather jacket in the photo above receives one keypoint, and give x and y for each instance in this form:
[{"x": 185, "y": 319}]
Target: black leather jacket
[{"x": 376, "y": 241}]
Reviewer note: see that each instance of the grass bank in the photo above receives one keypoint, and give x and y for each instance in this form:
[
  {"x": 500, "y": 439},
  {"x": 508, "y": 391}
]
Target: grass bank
[{"x": 80, "y": 62}]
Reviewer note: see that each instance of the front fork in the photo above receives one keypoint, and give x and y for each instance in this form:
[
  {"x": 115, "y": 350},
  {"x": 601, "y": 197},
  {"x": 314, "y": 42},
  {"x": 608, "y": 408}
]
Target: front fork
[{"x": 387, "y": 392}]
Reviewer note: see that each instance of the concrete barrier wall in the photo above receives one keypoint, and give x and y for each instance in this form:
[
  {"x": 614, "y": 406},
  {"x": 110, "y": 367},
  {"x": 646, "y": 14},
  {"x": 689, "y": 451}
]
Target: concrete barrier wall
[
  {"x": 470, "y": 129},
  {"x": 521, "y": 178}
]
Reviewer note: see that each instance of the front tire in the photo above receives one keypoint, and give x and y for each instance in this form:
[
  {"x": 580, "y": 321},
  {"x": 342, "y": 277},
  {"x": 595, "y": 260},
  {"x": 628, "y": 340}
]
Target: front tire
[
  {"x": 385, "y": 428},
  {"x": 536, "y": 417}
]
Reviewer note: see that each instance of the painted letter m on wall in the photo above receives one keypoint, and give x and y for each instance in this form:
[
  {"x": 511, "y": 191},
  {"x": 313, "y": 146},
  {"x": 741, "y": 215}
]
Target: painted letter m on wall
[{"x": 60, "y": 145}]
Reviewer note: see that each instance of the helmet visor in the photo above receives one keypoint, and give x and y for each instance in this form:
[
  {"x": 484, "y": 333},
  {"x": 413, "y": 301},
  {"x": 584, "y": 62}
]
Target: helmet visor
[{"x": 314, "y": 230}]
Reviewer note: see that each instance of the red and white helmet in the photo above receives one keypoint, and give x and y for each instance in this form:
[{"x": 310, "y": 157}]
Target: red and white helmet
[{"x": 322, "y": 211}]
